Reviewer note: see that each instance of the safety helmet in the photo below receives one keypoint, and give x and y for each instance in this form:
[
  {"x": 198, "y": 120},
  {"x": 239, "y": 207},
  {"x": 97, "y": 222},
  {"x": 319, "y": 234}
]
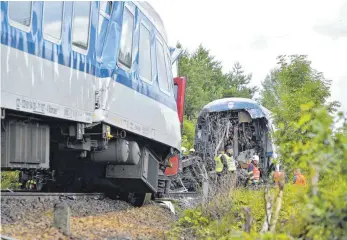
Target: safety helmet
[
  {"x": 183, "y": 149},
  {"x": 255, "y": 158},
  {"x": 192, "y": 150}
]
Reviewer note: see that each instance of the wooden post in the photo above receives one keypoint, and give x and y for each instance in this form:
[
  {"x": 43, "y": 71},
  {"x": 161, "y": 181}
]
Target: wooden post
[
  {"x": 248, "y": 219},
  {"x": 61, "y": 217}
]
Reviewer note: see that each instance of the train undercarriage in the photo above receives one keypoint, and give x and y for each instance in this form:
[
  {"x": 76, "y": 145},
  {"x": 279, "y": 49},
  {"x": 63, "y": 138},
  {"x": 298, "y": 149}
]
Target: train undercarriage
[{"x": 61, "y": 156}]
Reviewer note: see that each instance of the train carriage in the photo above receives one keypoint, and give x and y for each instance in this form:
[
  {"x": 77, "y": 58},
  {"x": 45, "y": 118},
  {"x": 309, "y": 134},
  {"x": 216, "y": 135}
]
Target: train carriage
[{"x": 87, "y": 94}]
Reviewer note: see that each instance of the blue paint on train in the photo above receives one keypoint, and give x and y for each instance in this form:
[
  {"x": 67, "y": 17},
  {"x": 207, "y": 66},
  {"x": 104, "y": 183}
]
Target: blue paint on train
[{"x": 100, "y": 59}]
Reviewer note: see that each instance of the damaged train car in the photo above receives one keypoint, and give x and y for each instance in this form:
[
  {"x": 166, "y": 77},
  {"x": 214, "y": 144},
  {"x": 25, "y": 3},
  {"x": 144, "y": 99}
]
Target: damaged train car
[{"x": 239, "y": 122}]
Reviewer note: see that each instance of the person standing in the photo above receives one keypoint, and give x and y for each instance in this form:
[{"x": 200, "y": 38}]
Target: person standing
[
  {"x": 231, "y": 165},
  {"x": 220, "y": 164},
  {"x": 299, "y": 178},
  {"x": 253, "y": 171}
]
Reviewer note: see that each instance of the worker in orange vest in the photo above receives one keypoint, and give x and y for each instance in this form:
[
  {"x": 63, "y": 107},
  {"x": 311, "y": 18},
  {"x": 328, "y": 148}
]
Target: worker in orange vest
[
  {"x": 299, "y": 179},
  {"x": 253, "y": 170},
  {"x": 278, "y": 175}
]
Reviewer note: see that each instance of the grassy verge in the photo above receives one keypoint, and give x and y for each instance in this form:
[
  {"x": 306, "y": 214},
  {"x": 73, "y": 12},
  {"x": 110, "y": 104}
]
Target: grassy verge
[{"x": 202, "y": 222}]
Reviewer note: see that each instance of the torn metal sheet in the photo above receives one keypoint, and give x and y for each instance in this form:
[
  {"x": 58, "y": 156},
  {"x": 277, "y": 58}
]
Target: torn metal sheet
[
  {"x": 228, "y": 104},
  {"x": 238, "y": 122}
]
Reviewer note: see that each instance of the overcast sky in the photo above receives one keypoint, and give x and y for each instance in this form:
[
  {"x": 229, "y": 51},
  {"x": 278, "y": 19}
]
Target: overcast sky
[{"x": 255, "y": 32}]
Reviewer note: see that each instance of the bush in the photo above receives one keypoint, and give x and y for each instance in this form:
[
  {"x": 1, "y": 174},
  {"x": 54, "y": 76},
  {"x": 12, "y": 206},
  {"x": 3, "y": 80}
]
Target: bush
[
  {"x": 9, "y": 180},
  {"x": 202, "y": 222}
]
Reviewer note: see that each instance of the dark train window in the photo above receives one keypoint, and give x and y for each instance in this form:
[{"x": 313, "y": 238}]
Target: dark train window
[
  {"x": 176, "y": 91},
  {"x": 52, "y": 19},
  {"x": 20, "y": 12},
  {"x": 80, "y": 24},
  {"x": 145, "y": 63},
  {"x": 161, "y": 67},
  {"x": 126, "y": 40}
]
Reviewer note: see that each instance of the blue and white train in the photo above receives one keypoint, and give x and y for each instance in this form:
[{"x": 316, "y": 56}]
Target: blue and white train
[{"x": 87, "y": 94}]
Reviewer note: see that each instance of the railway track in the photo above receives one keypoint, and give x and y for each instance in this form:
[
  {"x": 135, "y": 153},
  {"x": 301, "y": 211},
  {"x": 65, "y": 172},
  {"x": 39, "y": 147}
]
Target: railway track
[
  {"x": 51, "y": 196},
  {"x": 76, "y": 196},
  {"x": 180, "y": 195}
]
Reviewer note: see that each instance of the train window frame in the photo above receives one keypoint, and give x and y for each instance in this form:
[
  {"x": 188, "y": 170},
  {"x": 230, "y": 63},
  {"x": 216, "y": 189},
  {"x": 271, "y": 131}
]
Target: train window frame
[
  {"x": 157, "y": 56},
  {"x": 18, "y": 25},
  {"x": 103, "y": 13},
  {"x": 49, "y": 37},
  {"x": 168, "y": 67},
  {"x": 101, "y": 17},
  {"x": 75, "y": 47},
  {"x": 120, "y": 64},
  {"x": 145, "y": 25}
]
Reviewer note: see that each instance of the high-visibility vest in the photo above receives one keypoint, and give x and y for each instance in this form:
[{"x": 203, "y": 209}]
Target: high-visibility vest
[
  {"x": 278, "y": 175},
  {"x": 231, "y": 163},
  {"x": 300, "y": 179},
  {"x": 219, "y": 163},
  {"x": 256, "y": 173}
]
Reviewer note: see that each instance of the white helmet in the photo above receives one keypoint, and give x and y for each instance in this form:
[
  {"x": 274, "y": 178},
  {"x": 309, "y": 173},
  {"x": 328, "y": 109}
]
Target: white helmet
[
  {"x": 192, "y": 150},
  {"x": 183, "y": 149},
  {"x": 255, "y": 158}
]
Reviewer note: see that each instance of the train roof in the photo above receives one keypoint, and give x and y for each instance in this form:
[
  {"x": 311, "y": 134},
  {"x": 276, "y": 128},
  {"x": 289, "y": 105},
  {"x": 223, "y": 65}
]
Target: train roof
[
  {"x": 227, "y": 104},
  {"x": 153, "y": 16}
]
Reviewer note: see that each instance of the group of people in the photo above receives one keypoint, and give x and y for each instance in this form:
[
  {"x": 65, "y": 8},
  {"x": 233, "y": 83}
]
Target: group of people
[{"x": 225, "y": 164}]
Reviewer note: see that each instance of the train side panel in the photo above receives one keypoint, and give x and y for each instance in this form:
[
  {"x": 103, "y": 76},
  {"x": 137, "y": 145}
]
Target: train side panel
[
  {"x": 131, "y": 101},
  {"x": 42, "y": 74}
]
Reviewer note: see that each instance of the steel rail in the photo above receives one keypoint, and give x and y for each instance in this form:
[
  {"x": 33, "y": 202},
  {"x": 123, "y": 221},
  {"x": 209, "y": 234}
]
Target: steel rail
[{"x": 28, "y": 195}]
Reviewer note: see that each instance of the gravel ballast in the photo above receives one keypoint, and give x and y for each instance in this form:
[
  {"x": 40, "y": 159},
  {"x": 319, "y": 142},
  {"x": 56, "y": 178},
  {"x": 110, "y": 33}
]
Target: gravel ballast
[{"x": 90, "y": 219}]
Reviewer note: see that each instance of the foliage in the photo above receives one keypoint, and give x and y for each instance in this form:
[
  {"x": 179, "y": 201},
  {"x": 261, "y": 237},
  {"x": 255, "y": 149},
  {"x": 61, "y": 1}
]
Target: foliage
[
  {"x": 325, "y": 158},
  {"x": 297, "y": 95},
  {"x": 9, "y": 180},
  {"x": 237, "y": 83},
  {"x": 293, "y": 84},
  {"x": 198, "y": 223},
  {"x": 207, "y": 82},
  {"x": 188, "y": 133}
]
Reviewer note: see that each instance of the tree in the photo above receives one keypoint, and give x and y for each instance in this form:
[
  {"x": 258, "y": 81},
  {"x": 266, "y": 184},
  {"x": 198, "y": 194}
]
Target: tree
[
  {"x": 268, "y": 93},
  {"x": 204, "y": 76},
  {"x": 288, "y": 87},
  {"x": 237, "y": 83},
  {"x": 206, "y": 81}
]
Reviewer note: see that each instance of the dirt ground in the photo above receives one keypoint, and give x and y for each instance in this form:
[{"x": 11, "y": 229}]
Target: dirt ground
[{"x": 88, "y": 221}]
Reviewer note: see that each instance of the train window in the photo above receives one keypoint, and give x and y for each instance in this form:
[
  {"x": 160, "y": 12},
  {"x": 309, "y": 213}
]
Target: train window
[
  {"x": 126, "y": 39},
  {"x": 106, "y": 7},
  {"x": 20, "y": 12},
  {"x": 52, "y": 19},
  {"x": 104, "y": 19},
  {"x": 80, "y": 24},
  {"x": 161, "y": 67},
  {"x": 145, "y": 63},
  {"x": 168, "y": 71},
  {"x": 175, "y": 91}
]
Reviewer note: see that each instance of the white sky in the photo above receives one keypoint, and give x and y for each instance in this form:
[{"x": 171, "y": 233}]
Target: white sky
[{"x": 256, "y": 32}]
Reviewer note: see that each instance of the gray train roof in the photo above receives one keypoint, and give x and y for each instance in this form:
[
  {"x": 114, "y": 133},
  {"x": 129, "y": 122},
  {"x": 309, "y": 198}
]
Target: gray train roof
[
  {"x": 227, "y": 104},
  {"x": 154, "y": 17}
]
